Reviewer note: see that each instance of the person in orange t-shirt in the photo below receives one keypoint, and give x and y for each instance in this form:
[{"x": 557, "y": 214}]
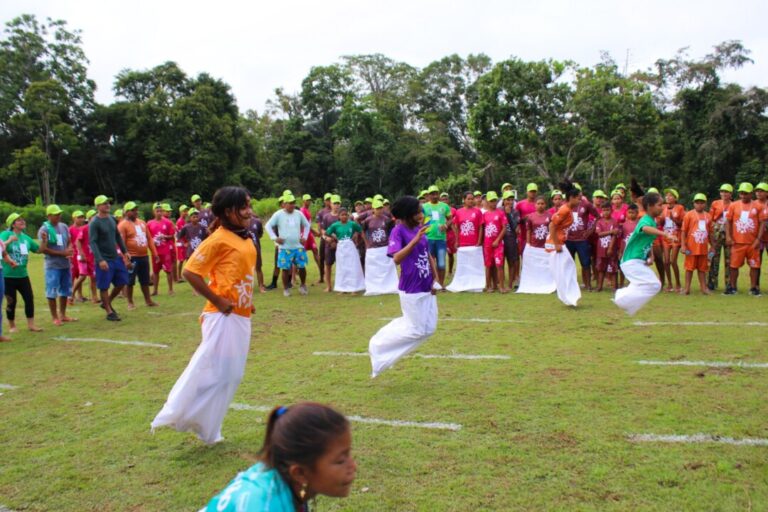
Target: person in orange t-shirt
[
  {"x": 741, "y": 233},
  {"x": 697, "y": 234},
  {"x": 562, "y": 264},
  {"x": 138, "y": 242},
  {"x": 717, "y": 212},
  {"x": 200, "y": 398},
  {"x": 672, "y": 216}
]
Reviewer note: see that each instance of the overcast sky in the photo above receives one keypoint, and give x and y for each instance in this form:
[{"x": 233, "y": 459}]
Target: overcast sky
[{"x": 258, "y": 46}]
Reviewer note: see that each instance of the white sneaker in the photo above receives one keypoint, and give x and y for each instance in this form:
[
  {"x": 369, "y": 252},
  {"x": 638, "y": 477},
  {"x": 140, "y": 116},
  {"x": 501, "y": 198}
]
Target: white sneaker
[
  {"x": 286, "y": 293},
  {"x": 303, "y": 289}
]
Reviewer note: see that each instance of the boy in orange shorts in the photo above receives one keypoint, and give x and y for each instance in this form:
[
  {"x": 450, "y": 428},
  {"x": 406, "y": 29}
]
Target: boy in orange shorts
[
  {"x": 741, "y": 233},
  {"x": 697, "y": 235}
]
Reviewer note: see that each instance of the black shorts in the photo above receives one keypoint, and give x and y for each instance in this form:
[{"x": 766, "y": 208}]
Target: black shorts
[
  {"x": 330, "y": 254},
  {"x": 140, "y": 270},
  {"x": 511, "y": 252}
]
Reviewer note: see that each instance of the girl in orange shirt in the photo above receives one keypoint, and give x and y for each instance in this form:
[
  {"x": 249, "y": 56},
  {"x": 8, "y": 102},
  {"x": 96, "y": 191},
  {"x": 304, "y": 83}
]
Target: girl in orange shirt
[
  {"x": 697, "y": 234},
  {"x": 562, "y": 264},
  {"x": 672, "y": 216},
  {"x": 227, "y": 258}
]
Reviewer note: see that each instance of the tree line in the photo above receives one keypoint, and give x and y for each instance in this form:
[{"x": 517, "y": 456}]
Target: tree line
[{"x": 370, "y": 124}]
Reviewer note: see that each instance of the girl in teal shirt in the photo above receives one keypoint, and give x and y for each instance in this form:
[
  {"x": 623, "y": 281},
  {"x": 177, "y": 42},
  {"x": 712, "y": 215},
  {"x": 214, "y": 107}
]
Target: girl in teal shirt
[
  {"x": 18, "y": 246},
  {"x": 307, "y": 451}
]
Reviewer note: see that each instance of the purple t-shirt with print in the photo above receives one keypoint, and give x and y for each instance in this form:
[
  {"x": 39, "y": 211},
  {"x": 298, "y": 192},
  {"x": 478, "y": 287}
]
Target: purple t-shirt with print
[{"x": 415, "y": 270}]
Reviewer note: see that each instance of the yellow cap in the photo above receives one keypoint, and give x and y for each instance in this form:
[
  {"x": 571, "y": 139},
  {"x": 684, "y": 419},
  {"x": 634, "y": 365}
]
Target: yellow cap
[{"x": 53, "y": 209}]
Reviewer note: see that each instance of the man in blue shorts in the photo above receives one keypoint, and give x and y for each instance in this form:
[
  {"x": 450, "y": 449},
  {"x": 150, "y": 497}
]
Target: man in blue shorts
[
  {"x": 57, "y": 247},
  {"x": 291, "y": 224},
  {"x": 437, "y": 214},
  {"x": 111, "y": 268}
]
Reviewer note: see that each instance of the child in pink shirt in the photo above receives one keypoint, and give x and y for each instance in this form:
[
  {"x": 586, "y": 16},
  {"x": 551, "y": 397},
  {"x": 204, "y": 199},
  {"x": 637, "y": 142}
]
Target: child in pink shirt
[{"x": 495, "y": 222}]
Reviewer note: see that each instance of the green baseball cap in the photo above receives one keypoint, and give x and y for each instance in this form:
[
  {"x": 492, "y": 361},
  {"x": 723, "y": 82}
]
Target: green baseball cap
[
  {"x": 100, "y": 200},
  {"x": 615, "y": 192},
  {"x": 532, "y": 187},
  {"x": 652, "y": 190},
  {"x": 699, "y": 197},
  {"x": 477, "y": 193},
  {"x": 167, "y": 207},
  {"x": 505, "y": 186},
  {"x": 306, "y": 197},
  {"x": 359, "y": 202},
  {"x": 762, "y": 186},
  {"x": 577, "y": 186},
  {"x": 327, "y": 196},
  {"x": 89, "y": 214},
  {"x": 433, "y": 188},
  {"x": 555, "y": 193},
  {"x": 746, "y": 187},
  {"x": 286, "y": 192},
  {"x": 193, "y": 211},
  {"x": 492, "y": 196},
  {"x": 77, "y": 213},
  {"x": 207, "y": 206},
  {"x": 183, "y": 208},
  {"x": 422, "y": 193},
  {"x": 727, "y": 187},
  {"x": 507, "y": 194},
  {"x": 157, "y": 206},
  {"x": 379, "y": 197},
  {"x": 118, "y": 213},
  {"x": 673, "y": 192},
  {"x": 620, "y": 186},
  {"x": 336, "y": 199},
  {"x": 288, "y": 198},
  {"x": 385, "y": 201},
  {"x": 53, "y": 209},
  {"x": 444, "y": 194},
  {"x": 377, "y": 203},
  {"x": 195, "y": 198},
  {"x": 368, "y": 200},
  {"x": 130, "y": 205},
  {"x": 599, "y": 193},
  {"x": 11, "y": 219}
]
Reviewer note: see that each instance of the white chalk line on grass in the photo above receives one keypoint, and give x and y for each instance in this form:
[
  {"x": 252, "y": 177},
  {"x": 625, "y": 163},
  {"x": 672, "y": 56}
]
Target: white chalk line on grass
[
  {"x": 476, "y": 320},
  {"x": 8, "y": 386},
  {"x": 712, "y": 364},
  {"x": 689, "y": 324},
  {"x": 115, "y": 342},
  {"x": 187, "y": 313},
  {"x": 369, "y": 421},
  {"x": 422, "y": 356},
  {"x": 696, "y": 439}
]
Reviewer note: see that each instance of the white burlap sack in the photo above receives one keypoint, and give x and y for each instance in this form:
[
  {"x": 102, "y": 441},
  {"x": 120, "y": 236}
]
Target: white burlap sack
[
  {"x": 349, "y": 272},
  {"x": 643, "y": 285},
  {"x": 380, "y": 272},
  {"x": 404, "y": 334},
  {"x": 536, "y": 274},
  {"x": 470, "y": 271},
  {"x": 563, "y": 270},
  {"x": 200, "y": 398}
]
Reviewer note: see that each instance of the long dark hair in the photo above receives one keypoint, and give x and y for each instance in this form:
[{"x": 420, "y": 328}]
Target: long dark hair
[
  {"x": 300, "y": 434},
  {"x": 568, "y": 189},
  {"x": 228, "y": 198},
  {"x": 405, "y": 208}
]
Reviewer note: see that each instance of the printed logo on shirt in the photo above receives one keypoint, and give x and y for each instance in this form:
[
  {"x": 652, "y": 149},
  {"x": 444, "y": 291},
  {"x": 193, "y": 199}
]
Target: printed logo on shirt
[
  {"x": 578, "y": 223},
  {"x": 195, "y": 242},
  {"x": 745, "y": 225},
  {"x": 605, "y": 241},
  {"x": 699, "y": 236},
  {"x": 422, "y": 264},
  {"x": 245, "y": 292},
  {"x": 541, "y": 232},
  {"x": 491, "y": 230},
  {"x": 467, "y": 228},
  {"x": 378, "y": 235}
]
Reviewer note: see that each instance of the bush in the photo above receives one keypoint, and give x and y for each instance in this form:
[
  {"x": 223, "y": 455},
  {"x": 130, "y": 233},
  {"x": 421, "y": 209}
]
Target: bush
[{"x": 35, "y": 214}]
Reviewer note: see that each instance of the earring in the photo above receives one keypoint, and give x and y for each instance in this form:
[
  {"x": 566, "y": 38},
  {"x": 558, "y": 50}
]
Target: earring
[{"x": 303, "y": 492}]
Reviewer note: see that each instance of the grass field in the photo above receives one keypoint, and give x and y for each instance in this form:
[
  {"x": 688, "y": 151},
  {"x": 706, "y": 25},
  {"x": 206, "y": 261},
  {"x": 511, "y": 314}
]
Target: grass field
[{"x": 546, "y": 429}]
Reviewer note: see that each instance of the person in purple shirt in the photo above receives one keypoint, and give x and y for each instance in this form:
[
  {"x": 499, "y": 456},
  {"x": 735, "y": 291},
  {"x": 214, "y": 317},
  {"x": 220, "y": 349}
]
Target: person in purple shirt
[{"x": 408, "y": 247}]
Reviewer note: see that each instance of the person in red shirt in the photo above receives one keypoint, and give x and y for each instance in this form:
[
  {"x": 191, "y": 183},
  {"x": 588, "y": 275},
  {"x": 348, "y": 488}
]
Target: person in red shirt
[
  {"x": 162, "y": 231},
  {"x": 495, "y": 222},
  {"x": 626, "y": 229},
  {"x": 310, "y": 245},
  {"x": 78, "y": 221},
  {"x": 606, "y": 231},
  {"x": 696, "y": 235},
  {"x": 578, "y": 237},
  {"x": 718, "y": 211},
  {"x": 619, "y": 213},
  {"x": 467, "y": 223},
  {"x": 672, "y": 217},
  {"x": 526, "y": 207},
  {"x": 181, "y": 251},
  {"x": 741, "y": 233}
]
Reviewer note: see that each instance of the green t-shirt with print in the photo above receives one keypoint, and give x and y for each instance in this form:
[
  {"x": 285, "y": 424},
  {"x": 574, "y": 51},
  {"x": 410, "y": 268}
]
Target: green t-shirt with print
[
  {"x": 343, "y": 231},
  {"x": 639, "y": 243},
  {"x": 19, "y": 251},
  {"x": 438, "y": 215}
]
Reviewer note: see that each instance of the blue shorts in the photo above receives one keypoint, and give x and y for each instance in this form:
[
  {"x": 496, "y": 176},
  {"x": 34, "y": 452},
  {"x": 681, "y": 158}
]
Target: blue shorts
[
  {"x": 117, "y": 275},
  {"x": 58, "y": 282},
  {"x": 140, "y": 271},
  {"x": 438, "y": 250},
  {"x": 288, "y": 258},
  {"x": 583, "y": 249}
]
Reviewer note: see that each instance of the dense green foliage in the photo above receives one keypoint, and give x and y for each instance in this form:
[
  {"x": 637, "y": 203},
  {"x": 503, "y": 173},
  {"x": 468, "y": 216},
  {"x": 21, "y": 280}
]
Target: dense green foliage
[{"x": 370, "y": 124}]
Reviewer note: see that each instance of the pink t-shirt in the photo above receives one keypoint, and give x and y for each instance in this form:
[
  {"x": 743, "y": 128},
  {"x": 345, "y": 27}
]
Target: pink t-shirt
[
  {"x": 74, "y": 231},
  {"x": 538, "y": 224},
  {"x": 468, "y": 221},
  {"x": 627, "y": 228},
  {"x": 158, "y": 228},
  {"x": 524, "y": 208},
  {"x": 604, "y": 242},
  {"x": 495, "y": 222}
]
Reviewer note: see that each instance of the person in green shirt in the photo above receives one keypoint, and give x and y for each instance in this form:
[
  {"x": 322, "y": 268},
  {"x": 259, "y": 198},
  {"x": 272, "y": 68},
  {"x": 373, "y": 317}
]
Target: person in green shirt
[
  {"x": 637, "y": 258},
  {"x": 18, "y": 245},
  {"x": 438, "y": 215},
  {"x": 343, "y": 234}
]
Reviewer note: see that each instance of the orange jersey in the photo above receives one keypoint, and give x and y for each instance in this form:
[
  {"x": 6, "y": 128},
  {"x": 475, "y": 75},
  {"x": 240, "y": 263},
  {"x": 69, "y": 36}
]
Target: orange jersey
[
  {"x": 745, "y": 221},
  {"x": 697, "y": 228},
  {"x": 718, "y": 211},
  {"x": 228, "y": 261},
  {"x": 562, "y": 220},
  {"x": 136, "y": 237}
]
